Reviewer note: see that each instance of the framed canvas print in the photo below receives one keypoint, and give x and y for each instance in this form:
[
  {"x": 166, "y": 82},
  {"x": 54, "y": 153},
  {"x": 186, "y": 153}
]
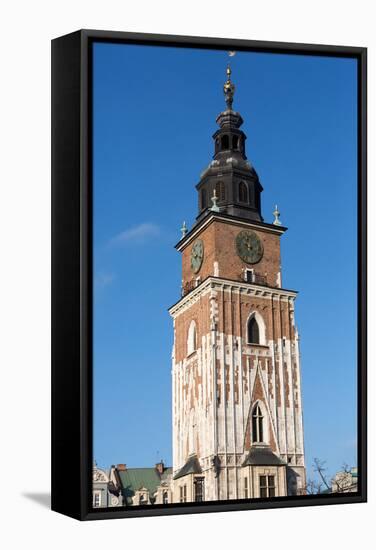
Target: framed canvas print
[{"x": 205, "y": 357}]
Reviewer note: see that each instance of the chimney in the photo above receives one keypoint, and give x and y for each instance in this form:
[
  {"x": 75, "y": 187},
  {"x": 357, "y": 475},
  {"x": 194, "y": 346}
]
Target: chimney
[
  {"x": 160, "y": 467},
  {"x": 121, "y": 467}
]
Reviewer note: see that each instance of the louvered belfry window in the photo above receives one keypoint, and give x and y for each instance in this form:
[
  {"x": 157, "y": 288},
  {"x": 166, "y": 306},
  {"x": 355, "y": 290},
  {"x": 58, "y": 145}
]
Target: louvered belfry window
[
  {"x": 220, "y": 191},
  {"x": 225, "y": 143},
  {"x": 243, "y": 192}
]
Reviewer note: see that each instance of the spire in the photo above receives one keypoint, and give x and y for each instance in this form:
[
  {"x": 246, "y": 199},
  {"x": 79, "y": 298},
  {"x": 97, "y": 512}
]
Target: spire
[
  {"x": 229, "y": 118},
  {"x": 229, "y": 89},
  {"x": 230, "y": 182}
]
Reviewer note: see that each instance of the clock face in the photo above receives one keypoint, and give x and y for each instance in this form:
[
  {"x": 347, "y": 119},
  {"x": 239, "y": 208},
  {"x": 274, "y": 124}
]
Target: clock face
[
  {"x": 197, "y": 255},
  {"x": 249, "y": 247}
]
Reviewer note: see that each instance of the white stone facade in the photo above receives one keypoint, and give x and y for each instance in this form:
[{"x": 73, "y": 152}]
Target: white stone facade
[{"x": 216, "y": 387}]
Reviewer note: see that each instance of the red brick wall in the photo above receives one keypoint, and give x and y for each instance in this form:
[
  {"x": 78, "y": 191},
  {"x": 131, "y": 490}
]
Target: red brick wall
[
  {"x": 233, "y": 312},
  {"x": 200, "y": 313},
  {"x": 219, "y": 245}
]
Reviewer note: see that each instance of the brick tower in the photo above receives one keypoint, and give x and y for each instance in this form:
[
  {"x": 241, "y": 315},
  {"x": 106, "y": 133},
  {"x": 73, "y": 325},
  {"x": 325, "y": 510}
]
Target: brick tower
[{"x": 237, "y": 410}]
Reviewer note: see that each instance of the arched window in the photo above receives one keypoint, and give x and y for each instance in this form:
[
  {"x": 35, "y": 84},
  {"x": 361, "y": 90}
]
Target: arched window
[
  {"x": 165, "y": 497},
  {"x": 253, "y": 331},
  {"x": 257, "y": 425},
  {"x": 235, "y": 142},
  {"x": 225, "y": 143},
  {"x": 243, "y": 192},
  {"x": 192, "y": 338},
  {"x": 257, "y": 200},
  {"x": 220, "y": 191},
  {"x": 203, "y": 199}
]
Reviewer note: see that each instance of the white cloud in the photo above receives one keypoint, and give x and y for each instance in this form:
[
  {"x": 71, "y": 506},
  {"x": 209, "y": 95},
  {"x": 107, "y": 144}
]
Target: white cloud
[{"x": 136, "y": 235}]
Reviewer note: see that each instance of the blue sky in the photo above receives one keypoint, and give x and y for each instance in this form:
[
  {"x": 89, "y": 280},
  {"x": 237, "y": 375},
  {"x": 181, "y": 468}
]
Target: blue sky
[{"x": 154, "y": 115}]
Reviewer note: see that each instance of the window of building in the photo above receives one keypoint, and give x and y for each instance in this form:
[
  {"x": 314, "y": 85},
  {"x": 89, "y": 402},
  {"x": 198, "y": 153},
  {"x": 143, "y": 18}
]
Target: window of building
[
  {"x": 253, "y": 331},
  {"x": 96, "y": 499},
  {"x": 257, "y": 200},
  {"x": 220, "y": 191},
  {"x": 225, "y": 143},
  {"x": 192, "y": 338},
  {"x": 199, "y": 489},
  {"x": 183, "y": 493},
  {"x": 243, "y": 192},
  {"x": 141, "y": 499},
  {"x": 235, "y": 142},
  {"x": 267, "y": 486},
  {"x": 204, "y": 202},
  {"x": 249, "y": 275},
  {"x": 257, "y": 425},
  {"x": 165, "y": 497},
  {"x": 245, "y": 487}
]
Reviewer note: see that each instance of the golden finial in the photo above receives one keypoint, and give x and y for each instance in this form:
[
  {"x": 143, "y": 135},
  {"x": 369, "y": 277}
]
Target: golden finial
[{"x": 229, "y": 87}]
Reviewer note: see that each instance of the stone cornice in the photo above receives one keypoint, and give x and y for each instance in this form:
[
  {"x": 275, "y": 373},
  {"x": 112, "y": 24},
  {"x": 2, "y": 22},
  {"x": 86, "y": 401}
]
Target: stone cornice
[
  {"x": 224, "y": 218},
  {"x": 217, "y": 283}
]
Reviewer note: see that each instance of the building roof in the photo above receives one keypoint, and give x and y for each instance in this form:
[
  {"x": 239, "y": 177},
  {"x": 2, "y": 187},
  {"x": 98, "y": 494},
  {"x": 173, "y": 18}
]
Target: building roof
[
  {"x": 262, "y": 456},
  {"x": 133, "y": 479},
  {"x": 192, "y": 466}
]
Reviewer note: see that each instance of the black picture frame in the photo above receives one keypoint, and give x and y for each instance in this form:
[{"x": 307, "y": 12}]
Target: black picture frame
[{"x": 72, "y": 287}]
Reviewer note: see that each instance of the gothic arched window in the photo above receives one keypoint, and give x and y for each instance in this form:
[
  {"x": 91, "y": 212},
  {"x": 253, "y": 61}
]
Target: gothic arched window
[
  {"x": 203, "y": 199},
  {"x": 243, "y": 192},
  {"x": 220, "y": 191},
  {"x": 253, "y": 331},
  {"x": 257, "y": 425},
  {"x": 225, "y": 143},
  {"x": 192, "y": 338}
]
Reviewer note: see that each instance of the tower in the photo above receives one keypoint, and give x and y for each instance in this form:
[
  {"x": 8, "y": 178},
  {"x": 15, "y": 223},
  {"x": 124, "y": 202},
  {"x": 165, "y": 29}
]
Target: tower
[{"x": 237, "y": 409}]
